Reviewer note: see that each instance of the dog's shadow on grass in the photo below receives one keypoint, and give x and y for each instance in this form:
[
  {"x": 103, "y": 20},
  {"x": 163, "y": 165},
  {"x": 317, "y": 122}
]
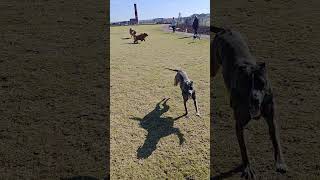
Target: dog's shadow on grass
[
  {"x": 157, "y": 127},
  {"x": 131, "y": 43},
  {"x": 124, "y": 38},
  {"x": 185, "y": 37}
]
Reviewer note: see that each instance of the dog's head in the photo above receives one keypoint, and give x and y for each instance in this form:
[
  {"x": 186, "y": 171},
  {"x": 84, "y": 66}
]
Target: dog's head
[
  {"x": 252, "y": 85},
  {"x": 145, "y": 34}
]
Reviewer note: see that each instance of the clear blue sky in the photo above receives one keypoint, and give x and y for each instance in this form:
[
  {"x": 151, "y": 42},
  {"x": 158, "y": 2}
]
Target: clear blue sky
[{"x": 123, "y": 10}]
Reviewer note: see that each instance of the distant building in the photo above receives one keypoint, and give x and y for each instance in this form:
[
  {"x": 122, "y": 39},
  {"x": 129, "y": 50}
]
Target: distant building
[
  {"x": 136, "y": 13},
  {"x": 158, "y": 21},
  {"x": 204, "y": 20},
  {"x": 133, "y": 21},
  {"x": 121, "y": 23}
]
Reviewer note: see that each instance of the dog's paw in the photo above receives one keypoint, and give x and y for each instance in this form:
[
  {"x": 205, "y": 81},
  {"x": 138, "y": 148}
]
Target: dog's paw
[
  {"x": 281, "y": 168},
  {"x": 249, "y": 173},
  {"x": 181, "y": 141},
  {"x": 198, "y": 114}
]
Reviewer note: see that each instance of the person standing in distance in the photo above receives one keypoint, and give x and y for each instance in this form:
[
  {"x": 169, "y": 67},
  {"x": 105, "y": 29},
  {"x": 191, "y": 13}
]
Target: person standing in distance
[
  {"x": 173, "y": 25},
  {"x": 195, "y": 26}
]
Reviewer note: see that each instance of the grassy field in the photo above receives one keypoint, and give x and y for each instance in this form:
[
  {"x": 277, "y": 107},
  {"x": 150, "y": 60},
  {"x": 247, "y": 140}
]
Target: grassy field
[
  {"x": 53, "y": 90},
  {"x": 148, "y": 139}
]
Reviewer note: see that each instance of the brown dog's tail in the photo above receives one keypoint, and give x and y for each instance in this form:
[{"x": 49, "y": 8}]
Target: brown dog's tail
[
  {"x": 216, "y": 29},
  {"x": 173, "y": 69}
]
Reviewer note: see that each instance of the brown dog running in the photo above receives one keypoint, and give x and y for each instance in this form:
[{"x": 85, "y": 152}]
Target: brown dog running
[
  {"x": 132, "y": 32},
  {"x": 140, "y": 37}
]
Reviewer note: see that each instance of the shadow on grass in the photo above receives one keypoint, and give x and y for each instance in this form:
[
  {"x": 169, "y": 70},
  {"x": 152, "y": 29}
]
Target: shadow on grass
[
  {"x": 191, "y": 42},
  {"x": 125, "y": 38},
  {"x": 228, "y": 174},
  {"x": 157, "y": 127},
  {"x": 131, "y": 43},
  {"x": 185, "y": 37}
]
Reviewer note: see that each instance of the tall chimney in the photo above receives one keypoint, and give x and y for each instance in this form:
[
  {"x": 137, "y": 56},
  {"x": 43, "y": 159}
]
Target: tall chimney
[{"x": 136, "y": 12}]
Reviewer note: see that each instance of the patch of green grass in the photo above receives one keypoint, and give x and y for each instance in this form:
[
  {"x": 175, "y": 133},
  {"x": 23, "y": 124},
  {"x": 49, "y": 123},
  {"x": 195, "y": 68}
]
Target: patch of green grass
[{"x": 138, "y": 82}]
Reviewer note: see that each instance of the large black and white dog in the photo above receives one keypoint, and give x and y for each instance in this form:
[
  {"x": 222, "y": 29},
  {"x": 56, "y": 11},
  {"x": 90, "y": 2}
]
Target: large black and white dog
[
  {"x": 250, "y": 91},
  {"x": 187, "y": 90}
]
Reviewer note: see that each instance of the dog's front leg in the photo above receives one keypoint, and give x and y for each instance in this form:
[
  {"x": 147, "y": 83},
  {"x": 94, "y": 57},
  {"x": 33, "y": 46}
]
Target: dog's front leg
[
  {"x": 185, "y": 99},
  {"x": 248, "y": 172},
  {"x": 195, "y": 103},
  {"x": 269, "y": 115}
]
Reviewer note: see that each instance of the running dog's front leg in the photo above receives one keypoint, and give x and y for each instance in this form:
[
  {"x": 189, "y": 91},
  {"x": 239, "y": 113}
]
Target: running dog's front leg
[
  {"x": 248, "y": 172},
  {"x": 185, "y": 99},
  {"x": 195, "y": 103},
  {"x": 268, "y": 113}
]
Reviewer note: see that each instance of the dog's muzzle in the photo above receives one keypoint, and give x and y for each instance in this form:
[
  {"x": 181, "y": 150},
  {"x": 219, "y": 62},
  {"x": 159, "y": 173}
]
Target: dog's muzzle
[
  {"x": 254, "y": 109},
  {"x": 255, "y": 104}
]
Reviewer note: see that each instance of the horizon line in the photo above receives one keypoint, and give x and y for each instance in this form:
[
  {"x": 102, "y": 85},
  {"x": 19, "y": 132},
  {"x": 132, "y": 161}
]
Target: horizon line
[{"x": 157, "y": 18}]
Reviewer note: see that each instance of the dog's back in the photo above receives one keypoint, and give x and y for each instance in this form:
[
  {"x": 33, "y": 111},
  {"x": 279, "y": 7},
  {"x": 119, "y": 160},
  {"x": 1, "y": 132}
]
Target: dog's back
[
  {"x": 229, "y": 50},
  {"x": 229, "y": 45},
  {"x": 140, "y": 37},
  {"x": 180, "y": 77}
]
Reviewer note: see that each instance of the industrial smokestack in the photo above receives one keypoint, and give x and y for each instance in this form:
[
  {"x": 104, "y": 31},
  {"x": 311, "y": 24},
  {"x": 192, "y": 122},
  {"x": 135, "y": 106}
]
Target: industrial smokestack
[{"x": 136, "y": 12}]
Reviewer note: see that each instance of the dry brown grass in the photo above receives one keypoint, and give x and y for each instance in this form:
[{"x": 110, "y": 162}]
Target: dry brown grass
[{"x": 138, "y": 82}]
